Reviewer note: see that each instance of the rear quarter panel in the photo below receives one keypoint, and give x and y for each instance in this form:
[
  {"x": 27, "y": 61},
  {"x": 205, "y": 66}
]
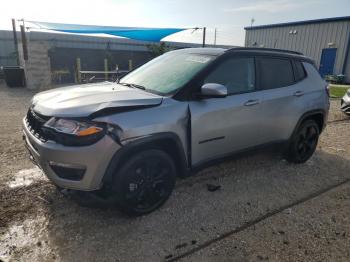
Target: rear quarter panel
[{"x": 283, "y": 110}]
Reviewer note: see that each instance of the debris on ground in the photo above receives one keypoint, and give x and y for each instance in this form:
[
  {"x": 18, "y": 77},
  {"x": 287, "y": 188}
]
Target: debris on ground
[{"x": 212, "y": 188}]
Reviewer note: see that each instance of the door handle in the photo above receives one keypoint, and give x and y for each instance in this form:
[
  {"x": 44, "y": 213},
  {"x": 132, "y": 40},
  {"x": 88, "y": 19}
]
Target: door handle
[
  {"x": 299, "y": 93},
  {"x": 251, "y": 102}
]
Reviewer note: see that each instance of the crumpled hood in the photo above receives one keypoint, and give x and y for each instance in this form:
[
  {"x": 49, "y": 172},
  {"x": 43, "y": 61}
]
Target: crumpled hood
[{"x": 84, "y": 100}]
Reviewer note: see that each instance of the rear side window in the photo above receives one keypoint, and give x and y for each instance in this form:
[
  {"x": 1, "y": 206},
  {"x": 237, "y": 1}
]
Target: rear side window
[
  {"x": 299, "y": 71},
  {"x": 275, "y": 72}
]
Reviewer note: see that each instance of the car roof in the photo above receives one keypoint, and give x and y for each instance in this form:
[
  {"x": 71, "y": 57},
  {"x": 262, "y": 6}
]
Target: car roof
[
  {"x": 251, "y": 50},
  {"x": 270, "y": 51},
  {"x": 203, "y": 51}
]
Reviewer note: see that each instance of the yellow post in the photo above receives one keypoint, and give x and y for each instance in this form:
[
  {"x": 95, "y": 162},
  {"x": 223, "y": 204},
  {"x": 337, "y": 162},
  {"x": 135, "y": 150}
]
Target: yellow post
[
  {"x": 106, "y": 68},
  {"x": 78, "y": 70},
  {"x": 130, "y": 65}
]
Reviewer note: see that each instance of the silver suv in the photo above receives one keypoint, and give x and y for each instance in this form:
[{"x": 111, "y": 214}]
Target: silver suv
[
  {"x": 172, "y": 115},
  {"x": 345, "y": 103}
]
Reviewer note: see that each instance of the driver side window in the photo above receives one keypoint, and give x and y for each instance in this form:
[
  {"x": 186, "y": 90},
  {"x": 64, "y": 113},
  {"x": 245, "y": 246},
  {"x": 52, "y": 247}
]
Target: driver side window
[{"x": 236, "y": 73}]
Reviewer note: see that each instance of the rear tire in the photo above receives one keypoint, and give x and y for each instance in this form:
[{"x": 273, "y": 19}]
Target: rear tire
[
  {"x": 303, "y": 142},
  {"x": 144, "y": 182}
]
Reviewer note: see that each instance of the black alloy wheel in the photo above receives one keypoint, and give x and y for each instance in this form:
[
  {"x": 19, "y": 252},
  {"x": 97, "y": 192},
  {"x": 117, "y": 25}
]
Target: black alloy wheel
[
  {"x": 145, "y": 182},
  {"x": 304, "y": 142}
]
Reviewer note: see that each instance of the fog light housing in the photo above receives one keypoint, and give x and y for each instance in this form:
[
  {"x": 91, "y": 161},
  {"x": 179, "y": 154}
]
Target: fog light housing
[{"x": 68, "y": 171}]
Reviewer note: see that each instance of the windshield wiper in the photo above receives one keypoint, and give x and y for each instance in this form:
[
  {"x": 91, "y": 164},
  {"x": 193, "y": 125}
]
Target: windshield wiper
[{"x": 133, "y": 85}]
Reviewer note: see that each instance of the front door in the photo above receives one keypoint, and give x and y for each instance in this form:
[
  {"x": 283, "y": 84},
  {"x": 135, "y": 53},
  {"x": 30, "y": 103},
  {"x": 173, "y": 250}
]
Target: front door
[
  {"x": 327, "y": 61},
  {"x": 220, "y": 126}
]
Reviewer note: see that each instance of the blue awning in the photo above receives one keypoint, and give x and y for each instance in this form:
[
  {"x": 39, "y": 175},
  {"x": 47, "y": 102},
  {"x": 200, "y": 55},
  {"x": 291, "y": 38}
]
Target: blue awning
[{"x": 136, "y": 33}]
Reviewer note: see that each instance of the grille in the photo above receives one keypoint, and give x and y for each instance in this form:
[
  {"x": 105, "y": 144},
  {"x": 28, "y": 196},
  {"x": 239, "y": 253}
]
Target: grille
[{"x": 34, "y": 122}]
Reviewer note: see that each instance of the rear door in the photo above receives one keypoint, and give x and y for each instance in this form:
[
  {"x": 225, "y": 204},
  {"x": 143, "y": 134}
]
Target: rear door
[
  {"x": 220, "y": 126},
  {"x": 284, "y": 95}
]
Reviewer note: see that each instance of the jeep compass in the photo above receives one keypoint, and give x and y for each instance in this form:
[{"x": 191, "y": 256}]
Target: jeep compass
[{"x": 176, "y": 113}]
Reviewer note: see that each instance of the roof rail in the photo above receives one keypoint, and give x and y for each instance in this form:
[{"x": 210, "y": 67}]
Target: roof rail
[{"x": 265, "y": 49}]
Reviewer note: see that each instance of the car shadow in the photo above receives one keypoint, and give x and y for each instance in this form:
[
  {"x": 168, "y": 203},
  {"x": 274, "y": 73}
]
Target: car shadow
[{"x": 251, "y": 186}]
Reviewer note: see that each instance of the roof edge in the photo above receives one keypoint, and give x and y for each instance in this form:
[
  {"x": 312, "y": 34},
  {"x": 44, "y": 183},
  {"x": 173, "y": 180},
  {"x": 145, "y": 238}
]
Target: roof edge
[
  {"x": 264, "y": 49},
  {"x": 304, "y": 22}
]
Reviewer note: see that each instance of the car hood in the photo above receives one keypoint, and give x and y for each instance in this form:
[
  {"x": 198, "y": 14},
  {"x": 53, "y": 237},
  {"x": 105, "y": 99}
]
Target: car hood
[{"x": 84, "y": 100}]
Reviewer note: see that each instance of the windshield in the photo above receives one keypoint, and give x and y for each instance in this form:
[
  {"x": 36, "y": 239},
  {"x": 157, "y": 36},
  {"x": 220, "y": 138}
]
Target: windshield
[{"x": 167, "y": 73}]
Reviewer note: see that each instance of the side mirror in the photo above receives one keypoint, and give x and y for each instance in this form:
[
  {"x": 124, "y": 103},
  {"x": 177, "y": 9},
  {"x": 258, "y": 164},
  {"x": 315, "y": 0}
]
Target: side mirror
[{"x": 213, "y": 90}]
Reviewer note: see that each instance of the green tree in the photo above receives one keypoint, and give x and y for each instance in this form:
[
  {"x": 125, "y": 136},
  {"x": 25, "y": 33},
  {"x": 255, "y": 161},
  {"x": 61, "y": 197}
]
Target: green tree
[{"x": 159, "y": 49}]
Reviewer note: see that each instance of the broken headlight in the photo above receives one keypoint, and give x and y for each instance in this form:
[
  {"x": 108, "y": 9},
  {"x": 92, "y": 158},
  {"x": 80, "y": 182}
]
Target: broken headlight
[{"x": 71, "y": 132}]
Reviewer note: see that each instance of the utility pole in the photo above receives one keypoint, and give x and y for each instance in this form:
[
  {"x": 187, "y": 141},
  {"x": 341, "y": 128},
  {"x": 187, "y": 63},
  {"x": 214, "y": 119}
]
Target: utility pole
[
  {"x": 15, "y": 39},
  {"x": 215, "y": 37},
  {"x": 204, "y": 31},
  {"x": 252, "y": 22}
]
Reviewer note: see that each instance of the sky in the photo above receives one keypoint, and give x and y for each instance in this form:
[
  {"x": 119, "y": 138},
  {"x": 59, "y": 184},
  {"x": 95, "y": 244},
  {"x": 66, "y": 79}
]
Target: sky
[{"x": 229, "y": 17}]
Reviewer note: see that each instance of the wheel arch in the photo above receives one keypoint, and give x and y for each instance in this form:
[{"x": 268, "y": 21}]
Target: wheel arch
[
  {"x": 167, "y": 141},
  {"x": 319, "y": 115}
]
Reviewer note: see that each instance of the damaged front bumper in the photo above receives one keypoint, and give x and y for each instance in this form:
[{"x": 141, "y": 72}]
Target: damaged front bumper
[{"x": 79, "y": 168}]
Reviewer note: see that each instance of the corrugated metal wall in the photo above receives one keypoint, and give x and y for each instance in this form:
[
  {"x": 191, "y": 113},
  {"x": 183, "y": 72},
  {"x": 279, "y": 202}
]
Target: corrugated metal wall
[
  {"x": 347, "y": 68},
  {"x": 309, "y": 39},
  {"x": 87, "y": 42},
  {"x": 64, "y": 49},
  {"x": 7, "y": 49},
  {"x": 60, "y": 40}
]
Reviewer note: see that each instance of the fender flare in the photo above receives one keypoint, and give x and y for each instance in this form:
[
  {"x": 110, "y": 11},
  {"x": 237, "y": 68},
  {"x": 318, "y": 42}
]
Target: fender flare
[
  {"x": 307, "y": 115},
  {"x": 147, "y": 142}
]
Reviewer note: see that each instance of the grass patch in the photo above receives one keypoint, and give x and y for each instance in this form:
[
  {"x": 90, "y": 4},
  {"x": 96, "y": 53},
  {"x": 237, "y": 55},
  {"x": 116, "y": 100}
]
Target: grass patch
[{"x": 338, "y": 91}]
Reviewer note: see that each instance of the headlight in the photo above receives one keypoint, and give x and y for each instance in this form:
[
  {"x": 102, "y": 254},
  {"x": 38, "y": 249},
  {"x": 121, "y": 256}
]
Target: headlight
[
  {"x": 73, "y": 132},
  {"x": 73, "y": 127}
]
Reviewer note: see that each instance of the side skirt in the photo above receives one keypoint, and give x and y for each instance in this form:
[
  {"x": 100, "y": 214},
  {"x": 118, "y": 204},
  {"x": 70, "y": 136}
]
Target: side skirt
[{"x": 278, "y": 145}]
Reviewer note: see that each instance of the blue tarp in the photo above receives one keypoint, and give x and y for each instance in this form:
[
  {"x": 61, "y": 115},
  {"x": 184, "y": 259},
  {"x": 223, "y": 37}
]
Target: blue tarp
[{"x": 137, "y": 33}]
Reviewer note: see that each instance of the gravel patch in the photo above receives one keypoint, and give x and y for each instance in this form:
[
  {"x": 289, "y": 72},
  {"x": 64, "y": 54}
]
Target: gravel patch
[
  {"x": 13, "y": 107},
  {"x": 335, "y": 114},
  {"x": 317, "y": 230}
]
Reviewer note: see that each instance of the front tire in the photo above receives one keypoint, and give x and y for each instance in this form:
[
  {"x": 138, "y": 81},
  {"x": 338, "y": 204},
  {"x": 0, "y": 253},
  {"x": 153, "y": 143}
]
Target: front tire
[
  {"x": 144, "y": 182},
  {"x": 303, "y": 142}
]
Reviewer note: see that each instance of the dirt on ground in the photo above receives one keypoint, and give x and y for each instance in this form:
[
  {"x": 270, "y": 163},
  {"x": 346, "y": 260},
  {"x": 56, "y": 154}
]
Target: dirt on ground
[
  {"x": 316, "y": 230},
  {"x": 265, "y": 210}
]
